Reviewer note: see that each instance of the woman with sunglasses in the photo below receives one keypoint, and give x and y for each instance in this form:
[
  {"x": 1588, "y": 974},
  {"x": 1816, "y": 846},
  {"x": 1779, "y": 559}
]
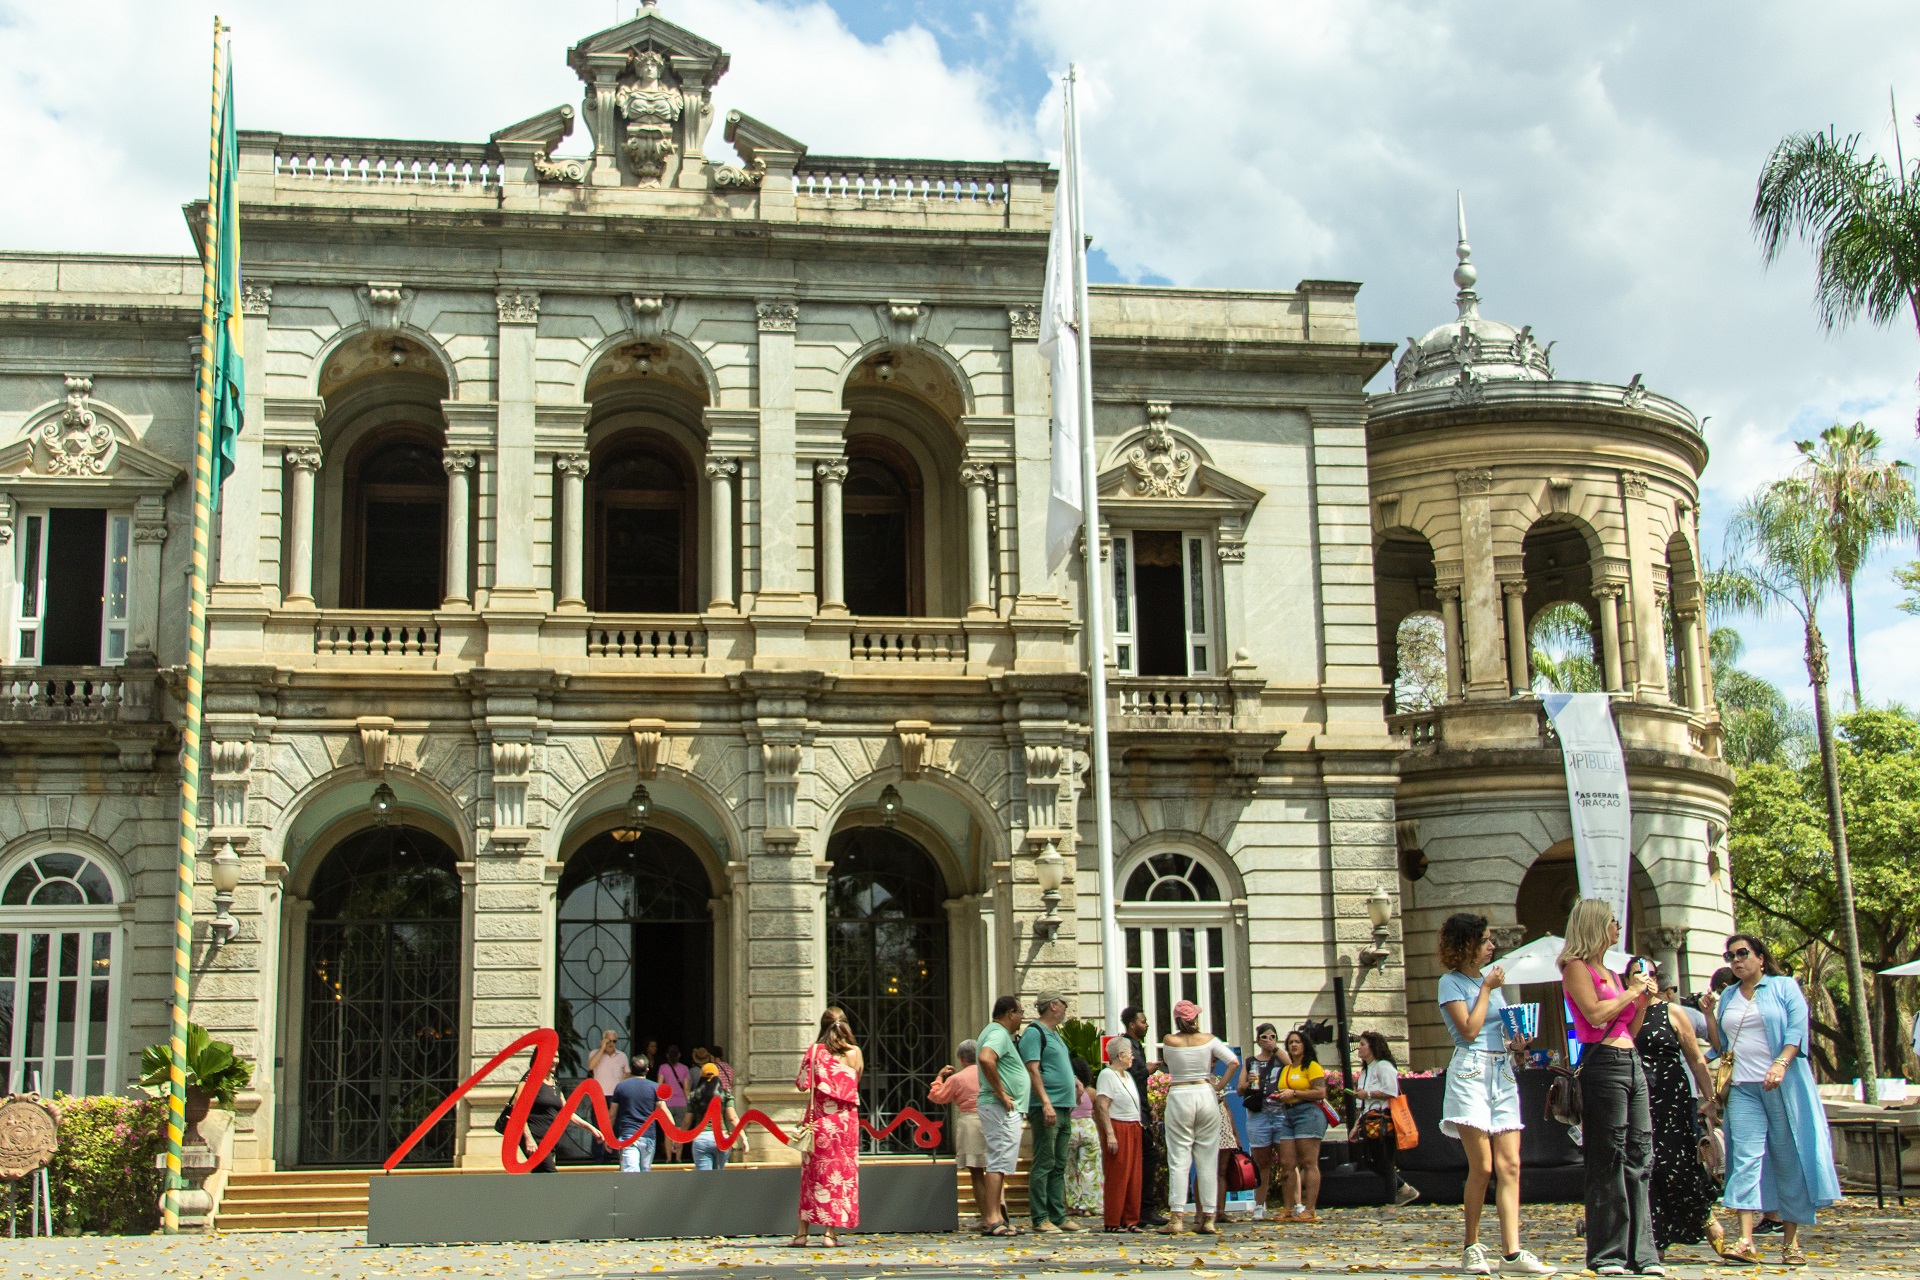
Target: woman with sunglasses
[{"x": 1779, "y": 1153}]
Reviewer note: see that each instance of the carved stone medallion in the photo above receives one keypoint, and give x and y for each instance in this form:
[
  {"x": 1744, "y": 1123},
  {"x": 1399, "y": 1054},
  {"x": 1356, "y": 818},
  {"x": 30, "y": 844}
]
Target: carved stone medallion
[
  {"x": 27, "y": 1136},
  {"x": 1161, "y": 466},
  {"x": 77, "y": 442}
]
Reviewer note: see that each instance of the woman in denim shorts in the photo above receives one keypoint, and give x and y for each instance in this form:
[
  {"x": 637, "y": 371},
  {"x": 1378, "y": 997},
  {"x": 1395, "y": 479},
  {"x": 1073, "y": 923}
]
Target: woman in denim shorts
[
  {"x": 1259, "y": 1082},
  {"x": 1299, "y": 1126}
]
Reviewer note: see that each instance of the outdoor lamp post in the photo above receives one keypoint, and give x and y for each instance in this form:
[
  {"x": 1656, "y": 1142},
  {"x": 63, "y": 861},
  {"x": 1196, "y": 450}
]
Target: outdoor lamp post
[
  {"x": 1380, "y": 913},
  {"x": 224, "y": 868},
  {"x": 889, "y": 805},
  {"x": 383, "y": 803},
  {"x": 1050, "y": 872},
  {"x": 639, "y": 809}
]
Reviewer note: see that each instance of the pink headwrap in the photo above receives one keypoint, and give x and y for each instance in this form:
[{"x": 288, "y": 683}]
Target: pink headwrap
[{"x": 1186, "y": 1011}]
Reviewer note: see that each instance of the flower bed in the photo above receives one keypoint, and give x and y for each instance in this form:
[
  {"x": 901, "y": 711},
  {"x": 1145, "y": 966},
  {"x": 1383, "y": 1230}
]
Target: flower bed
[{"x": 102, "y": 1176}]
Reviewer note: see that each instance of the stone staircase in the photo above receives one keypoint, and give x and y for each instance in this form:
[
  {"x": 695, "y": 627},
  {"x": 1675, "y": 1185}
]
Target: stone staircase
[{"x": 336, "y": 1199}]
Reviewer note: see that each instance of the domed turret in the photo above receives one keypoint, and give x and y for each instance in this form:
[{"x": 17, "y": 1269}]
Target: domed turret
[{"x": 1471, "y": 348}]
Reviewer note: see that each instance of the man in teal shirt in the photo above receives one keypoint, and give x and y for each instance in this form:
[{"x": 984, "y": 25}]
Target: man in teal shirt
[
  {"x": 1002, "y": 1102},
  {"x": 1050, "y": 1071}
]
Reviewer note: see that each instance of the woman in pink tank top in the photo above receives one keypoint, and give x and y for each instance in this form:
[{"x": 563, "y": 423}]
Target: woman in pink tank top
[{"x": 1618, "y": 1124}]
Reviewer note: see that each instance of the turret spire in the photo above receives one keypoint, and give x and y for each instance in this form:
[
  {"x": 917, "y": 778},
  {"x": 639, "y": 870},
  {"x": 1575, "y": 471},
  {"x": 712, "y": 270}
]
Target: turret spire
[{"x": 1465, "y": 274}]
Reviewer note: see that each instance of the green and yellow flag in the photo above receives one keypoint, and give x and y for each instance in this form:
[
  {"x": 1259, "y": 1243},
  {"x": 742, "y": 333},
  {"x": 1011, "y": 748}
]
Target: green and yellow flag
[{"x": 229, "y": 378}]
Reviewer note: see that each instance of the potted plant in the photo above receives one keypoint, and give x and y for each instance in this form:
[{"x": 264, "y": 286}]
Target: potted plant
[{"x": 215, "y": 1075}]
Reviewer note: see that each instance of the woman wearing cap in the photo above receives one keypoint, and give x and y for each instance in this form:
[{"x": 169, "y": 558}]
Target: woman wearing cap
[
  {"x": 830, "y": 1173},
  {"x": 1193, "y": 1117},
  {"x": 706, "y": 1150}
]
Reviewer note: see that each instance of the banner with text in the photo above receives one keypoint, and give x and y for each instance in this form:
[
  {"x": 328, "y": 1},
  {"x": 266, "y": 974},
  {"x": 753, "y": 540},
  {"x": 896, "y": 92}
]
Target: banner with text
[{"x": 1597, "y": 797}]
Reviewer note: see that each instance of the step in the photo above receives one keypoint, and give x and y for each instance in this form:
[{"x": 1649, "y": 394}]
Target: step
[{"x": 293, "y": 1222}]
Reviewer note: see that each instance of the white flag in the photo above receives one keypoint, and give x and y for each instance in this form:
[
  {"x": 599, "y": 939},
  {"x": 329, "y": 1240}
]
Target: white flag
[{"x": 1060, "y": 344}]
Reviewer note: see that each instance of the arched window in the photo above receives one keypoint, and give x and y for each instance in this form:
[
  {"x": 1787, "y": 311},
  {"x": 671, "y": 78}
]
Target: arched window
[
  {"x": 882, "y": 530},
  {"x": 381, "y": 1035},
  {"x": 1180, "y": 942},
  {"x": 887, "y": 966},
  {"x": 644, "y": 543},
  {"x": 396, "y": 526},
  {"x": 61, "y": 953}
]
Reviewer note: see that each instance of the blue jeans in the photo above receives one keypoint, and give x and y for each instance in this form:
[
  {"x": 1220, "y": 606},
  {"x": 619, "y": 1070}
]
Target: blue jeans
[
  {"x": 1763, "y": 1164},
  {"x": 637, "y": 1158},
  {"x": 707, "y": 1154}
]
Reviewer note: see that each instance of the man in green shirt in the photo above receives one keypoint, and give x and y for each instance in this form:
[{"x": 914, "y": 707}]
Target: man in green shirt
[
  {"x": 1002, "y": 1102},
  {"x": 1050, "y": 1071}
]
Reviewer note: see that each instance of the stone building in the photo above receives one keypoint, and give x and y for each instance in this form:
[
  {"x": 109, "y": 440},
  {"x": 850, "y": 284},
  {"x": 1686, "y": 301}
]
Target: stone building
[{"x": 632, "y": 612}]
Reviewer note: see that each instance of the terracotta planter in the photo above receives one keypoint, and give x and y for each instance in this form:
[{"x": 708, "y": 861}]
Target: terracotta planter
[{"x": 199, "y": 1102}]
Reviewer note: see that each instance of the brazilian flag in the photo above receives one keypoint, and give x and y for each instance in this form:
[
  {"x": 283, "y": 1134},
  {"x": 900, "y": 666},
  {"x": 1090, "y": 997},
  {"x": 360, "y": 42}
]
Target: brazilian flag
[{"x": 229, "y": 377}]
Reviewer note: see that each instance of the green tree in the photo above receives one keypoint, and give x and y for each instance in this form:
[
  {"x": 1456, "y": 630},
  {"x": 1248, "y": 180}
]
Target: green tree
[
  {"x": 1865, "y": 501},
  {"x": 1757, "y": 722},
  {"x": 1780, "y": 557},
  {"x": 1562, "y": 644}
]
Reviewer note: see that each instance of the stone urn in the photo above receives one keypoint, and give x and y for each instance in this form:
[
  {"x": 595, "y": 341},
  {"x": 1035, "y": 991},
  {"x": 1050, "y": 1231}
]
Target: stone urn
[{"x": 199, "y": 1102}]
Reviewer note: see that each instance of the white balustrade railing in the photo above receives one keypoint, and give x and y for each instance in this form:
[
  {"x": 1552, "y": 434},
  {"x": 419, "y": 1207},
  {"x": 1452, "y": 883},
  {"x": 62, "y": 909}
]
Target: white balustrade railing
[
  {"x": 861, "y": 179},
  {"x": 906, "y": 641},
  {"x": 1421, "y": 727},
  {"x": 442, "y": 166},
  {"x": 75, "y": 694},
  {"x": 377, "y": 637},
  {"x": 639, "y": 638},
  {"x": 1172, "y": 699}
]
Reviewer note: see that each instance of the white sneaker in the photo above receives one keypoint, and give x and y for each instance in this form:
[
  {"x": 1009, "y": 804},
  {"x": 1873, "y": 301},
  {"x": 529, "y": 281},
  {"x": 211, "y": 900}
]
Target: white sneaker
[
  {"x": 1474, "y": 1261},
  {"x": 1613, "y": 1269},
  {"x": 1259, "y": 1213},
  {"x": 1525, "y": 1264},
  {"x": 1656, "y": 1270}
]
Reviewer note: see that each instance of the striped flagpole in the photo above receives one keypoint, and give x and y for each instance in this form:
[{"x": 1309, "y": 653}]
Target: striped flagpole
[{"x": 196, "y": 674}]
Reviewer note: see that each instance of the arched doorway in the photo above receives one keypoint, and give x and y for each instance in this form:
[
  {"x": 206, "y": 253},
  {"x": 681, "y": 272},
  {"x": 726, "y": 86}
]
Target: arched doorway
[
  {"x": 380, "y": 1046},
  {"x": 62, "y": 954},
  {"x": 397, "y": 504},
  {"x": 1180, "y": 938},
  {"x": 887, "y": 967},
  {"x": 635, "y": 948},
  {"x": 644, "y": 546}
]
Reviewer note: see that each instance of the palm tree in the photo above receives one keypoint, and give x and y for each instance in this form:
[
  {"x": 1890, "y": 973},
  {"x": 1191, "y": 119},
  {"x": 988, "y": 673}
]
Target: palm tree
[
  {"x": 1758, "y": 722},
  {"x": 1562, "y": 644},
  {"x": 1780, "y": 555},
  {"x": 1863, "y": 501},
  {"x": 1860, "y": 215}
]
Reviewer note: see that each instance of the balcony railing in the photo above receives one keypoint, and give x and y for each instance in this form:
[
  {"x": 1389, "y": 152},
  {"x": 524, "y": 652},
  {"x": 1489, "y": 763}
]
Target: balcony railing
[
  {"x": 377, "y": 636},
  {"x": 75, "y": 695},
  {"x": 1172, "y": 702},
  {"x": 453, "y": 167},
  {"x": 645, "y": 638},
  {"x": 1422, "y": 728},
  {"x": 864, "y": 179},
  {"x": 907, "y": 640}
]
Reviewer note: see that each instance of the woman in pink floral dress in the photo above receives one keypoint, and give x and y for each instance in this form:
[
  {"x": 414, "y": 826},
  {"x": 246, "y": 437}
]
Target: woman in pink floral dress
[{"x": 830, "y": 1173}]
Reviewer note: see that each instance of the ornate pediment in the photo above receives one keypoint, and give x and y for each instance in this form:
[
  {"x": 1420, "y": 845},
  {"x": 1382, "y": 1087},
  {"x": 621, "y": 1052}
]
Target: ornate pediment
[
  {"x": 80, "y": 441},
  {"x": 1162, "y": 468},
  {"x": 649, "y": 102}
]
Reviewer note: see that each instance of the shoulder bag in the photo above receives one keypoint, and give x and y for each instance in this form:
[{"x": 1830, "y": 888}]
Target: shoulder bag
[
  {"x": 1723, "y": 1065},
  {"x": 802, "y": 1141},
  {"x": 1564, "y": 1103}
]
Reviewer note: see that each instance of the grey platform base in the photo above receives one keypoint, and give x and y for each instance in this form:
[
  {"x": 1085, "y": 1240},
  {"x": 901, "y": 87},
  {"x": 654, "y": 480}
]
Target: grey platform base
[{"x": 493, "y": 1208}]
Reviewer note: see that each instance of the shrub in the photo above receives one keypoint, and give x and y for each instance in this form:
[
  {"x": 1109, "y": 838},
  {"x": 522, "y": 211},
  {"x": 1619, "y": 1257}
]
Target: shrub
[{"x": 102, "y": 1176}]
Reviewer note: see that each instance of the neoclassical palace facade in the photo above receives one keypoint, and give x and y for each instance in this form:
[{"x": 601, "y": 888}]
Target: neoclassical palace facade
[{"x": 632, "y": 613}]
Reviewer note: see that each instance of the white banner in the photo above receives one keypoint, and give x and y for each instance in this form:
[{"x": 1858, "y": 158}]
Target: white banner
[{"x": 1597, "y": 797}]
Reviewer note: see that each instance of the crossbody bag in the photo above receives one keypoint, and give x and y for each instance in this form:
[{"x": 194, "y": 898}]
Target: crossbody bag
[{"x": 1723, "y": 1065}]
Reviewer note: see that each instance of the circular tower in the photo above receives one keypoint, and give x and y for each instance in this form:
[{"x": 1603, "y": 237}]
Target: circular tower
[{"x": 1520, "y": 516}]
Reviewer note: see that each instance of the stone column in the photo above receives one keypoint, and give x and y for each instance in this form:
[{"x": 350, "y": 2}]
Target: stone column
[
  {"x": 1032, "y": 446},
  {"x": 1479, "y": 589},
  {"x": 514, "y": 583},
  {"x": 149, "y": 533},
  {"x": 305, "y": 462},
  {"x": 457, "y": 463},
  {"x": 1649, "y": 677},
  {"x": 720, "y": 473},
  {"x": 831, "y": 531},
  {"x": 573, "y": 528},
  {"x": 1686, "y": 641},
  {"x": 240, "y": 496},
  {"x": 779, "y": 458},
  {"x": 1608, "y": 594},
  {"x": 977, "y": 476},
  {"x": 1450, "y": 637},
  {"x": 1516, "y": 590}
]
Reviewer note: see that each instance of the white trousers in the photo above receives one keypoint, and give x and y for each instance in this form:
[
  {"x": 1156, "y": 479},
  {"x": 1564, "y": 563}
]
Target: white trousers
[{"x": 1193, "y": 1142}]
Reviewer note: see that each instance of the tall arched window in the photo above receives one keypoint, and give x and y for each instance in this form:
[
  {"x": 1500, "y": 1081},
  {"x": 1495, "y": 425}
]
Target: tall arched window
[
  {"x": 644, "y": 543},
  {"x": 882, "y": 524},
  {"x": 381, "y": 1037},
  {"x": 1179, "y": 937},
  {"x": 396, "y": 526},
  {"x": 60, "y": 962},
  {"x": 887, "y": 965}
]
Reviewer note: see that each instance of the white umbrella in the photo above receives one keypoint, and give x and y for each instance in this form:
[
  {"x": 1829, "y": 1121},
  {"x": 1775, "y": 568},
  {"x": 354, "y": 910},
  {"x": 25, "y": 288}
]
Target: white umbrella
[{"x": 1911, "y": 969}]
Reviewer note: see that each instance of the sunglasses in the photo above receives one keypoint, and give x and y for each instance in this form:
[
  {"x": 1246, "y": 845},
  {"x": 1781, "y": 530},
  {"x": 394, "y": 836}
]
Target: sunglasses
[{"x": 1730, "y": 956}]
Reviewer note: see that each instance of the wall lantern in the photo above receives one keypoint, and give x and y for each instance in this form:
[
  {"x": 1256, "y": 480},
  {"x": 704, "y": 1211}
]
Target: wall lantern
[
  {"x": 1380, "y": 913},
  {"x": 382, "y": 805},
  {"x": 639, "y": 809},
  {"x": 224, "y": 868},
  {"x": 889, "y": 805},
  {"x": 1050, "y": 872}
]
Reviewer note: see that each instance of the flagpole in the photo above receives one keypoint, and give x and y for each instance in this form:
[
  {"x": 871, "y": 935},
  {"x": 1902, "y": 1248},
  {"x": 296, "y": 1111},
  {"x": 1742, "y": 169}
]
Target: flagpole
[
  {"x": 1112, "y": 976},
  {"x": 196, "y": 673}
]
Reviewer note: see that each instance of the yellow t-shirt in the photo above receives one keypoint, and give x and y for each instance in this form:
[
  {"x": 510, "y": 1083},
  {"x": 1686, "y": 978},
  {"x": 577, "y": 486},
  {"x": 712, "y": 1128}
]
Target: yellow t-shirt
[{"x": 1301, "y": 1078}]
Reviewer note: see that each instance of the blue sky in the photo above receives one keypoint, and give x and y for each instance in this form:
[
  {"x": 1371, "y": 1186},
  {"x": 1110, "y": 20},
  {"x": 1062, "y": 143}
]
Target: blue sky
[{"x": 1607, "y": 155}]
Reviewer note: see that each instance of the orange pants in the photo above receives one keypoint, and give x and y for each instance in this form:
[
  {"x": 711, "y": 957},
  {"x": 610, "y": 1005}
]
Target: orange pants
[{"x": 1121, "y": 1172}]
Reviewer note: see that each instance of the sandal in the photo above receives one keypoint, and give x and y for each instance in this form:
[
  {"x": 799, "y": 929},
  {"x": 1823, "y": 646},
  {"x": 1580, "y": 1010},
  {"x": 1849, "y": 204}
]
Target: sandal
[
  {"x": 1741, "y": 1253},
  {"x": 1795, "y": 1257},
  {"x": 1001, "y": 1230}
]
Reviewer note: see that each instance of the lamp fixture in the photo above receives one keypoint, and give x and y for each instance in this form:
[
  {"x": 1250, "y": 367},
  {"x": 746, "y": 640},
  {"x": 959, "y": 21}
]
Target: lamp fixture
[
  {"x": 1380, "y": 914},
  {"x": 383, "y": 804},
  {"x": 883, "y": 368},
  {"x": 1049, "y": 872},
  {"x": 224, "y": 869},
  {"x": 397, "y": 354},
  {"x": 639, "y": 809},
  {"x": 889, "y": 805}
]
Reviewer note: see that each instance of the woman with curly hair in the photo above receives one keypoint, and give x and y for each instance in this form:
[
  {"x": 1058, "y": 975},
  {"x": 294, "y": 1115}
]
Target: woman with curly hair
[
  {"x": 1482, "y": 1102},
  {"x": 830, "y": 1173}
]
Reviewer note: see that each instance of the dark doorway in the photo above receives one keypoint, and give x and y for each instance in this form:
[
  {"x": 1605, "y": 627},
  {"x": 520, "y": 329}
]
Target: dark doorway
[
  {"x": 644, "y": 542},
  {"x": 887, "y": 968},
  {"x": 76, "y": 586},
  {"x": 1160, "y": 607},
  {"x": 381, "y": 1043},
  {"x": 881, "y": 532},
  {"x": 400, "y": 491}
]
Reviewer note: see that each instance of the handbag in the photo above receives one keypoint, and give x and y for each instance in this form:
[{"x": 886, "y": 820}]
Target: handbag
[
  {"x": 1406, "y": 1134},
  {"x": 802, "y": 1140},
  {"x": 1564, "y": 1103},
  {"x": 1241, "y": 1173},
  {"x": 1723, "y": 1065},
  {"x": 1376, "y": 1126},
  {"x": 1333, "y": 1116}
]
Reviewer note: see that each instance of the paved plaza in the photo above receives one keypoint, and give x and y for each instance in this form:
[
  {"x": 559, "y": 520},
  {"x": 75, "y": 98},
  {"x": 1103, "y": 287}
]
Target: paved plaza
[{"x": 1855, "y": 1239}]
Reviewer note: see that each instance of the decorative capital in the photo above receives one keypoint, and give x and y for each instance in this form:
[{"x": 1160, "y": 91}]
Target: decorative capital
[
  {"x": 572, "y": 464},
  {"x": 831, "y": 472},
  {"x": 1609, "y": 590},
  {"x": 518, "y": 306},
  {"x": 256, "y": 299},
  {"x": 304, "y": 458},
  {"x": 722, "y": 468},
  {"x": 1473, "y": 480},
  {"x": 1514, "y": 586},
  {"x": 1158, "y": 411},
  {"x": 1231, "y": 552},
  {"x": 1447, "y": 591},
  {"x": 1023, "y": 323},
  {"x": 972, "y": 473},
  {"x": 1634, "y": 483},
  {"x": 150, "y": 533},
  {"x": 457, "y": 460},
  {"x": 777, "y": 317}
]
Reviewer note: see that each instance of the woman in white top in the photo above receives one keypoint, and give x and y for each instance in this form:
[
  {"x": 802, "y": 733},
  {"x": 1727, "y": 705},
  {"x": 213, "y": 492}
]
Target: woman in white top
[
  {"x": 1378, "y": 1086},
  {"x": 1116, "y": 1113},
  {"x": 1193, "y": 1117}
]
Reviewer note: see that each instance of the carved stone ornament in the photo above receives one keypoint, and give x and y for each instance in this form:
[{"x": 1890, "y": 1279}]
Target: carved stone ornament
[
  {"x": 77, "y": 442},
  {"x": 1408, "y": 369},
  {"x": 303, "y": 458},
  {"x": 650, "y": 109},
  {"x": 1466, "y": 346},
  {"x": 733, "y": 176},
  {"x": 1467, "y": 389},
  {"x": 28, "y": 1137},
  {"x": 972, "y": 473},
  {"x": 648, "y": 735},
  {"x": 1161, "y": 466},
  {"x": 376, "y": 741},
  {"x": 722, "y": 468},
  {"x": 572, "y": 464},
  {"x": 777, "y": 317},
  {"x": 518, "y": 306},
  {"x": 1474, "y": 480},
  {"x": 455, "y": 460},
  {"x": 913, "y": 735},
  {"x": 1634, "y": 483},
  {"x": 1635, "y": 396},
  {"x": 571, "y": 169},
  {"x": 1023, "y": 323},
  {"x": 1231, "y": 552},
  {"x": 255, "y": 299}
]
